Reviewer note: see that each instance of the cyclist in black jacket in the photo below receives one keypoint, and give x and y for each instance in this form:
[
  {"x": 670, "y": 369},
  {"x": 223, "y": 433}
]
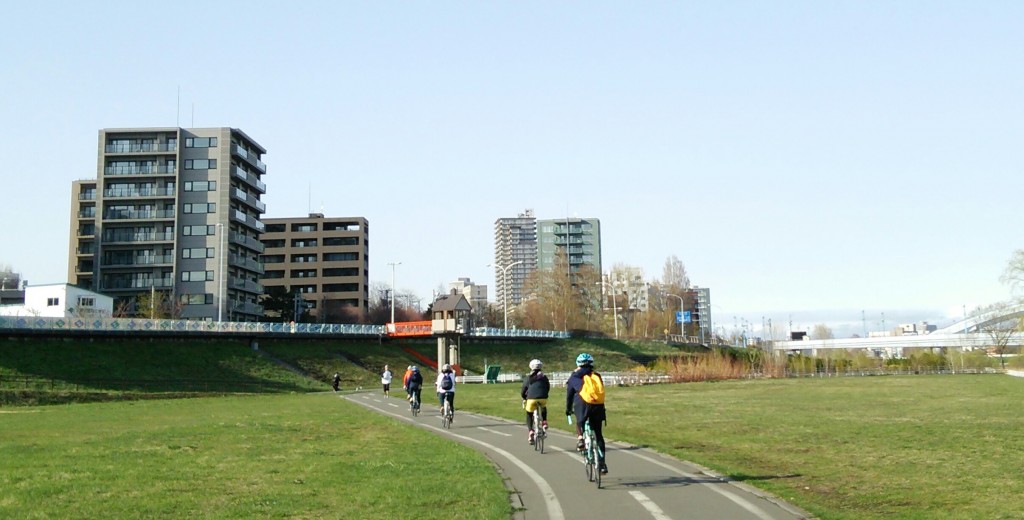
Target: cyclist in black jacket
[
  {"x": 535, "y": 393},
  {"x": 575, "y": 405}
]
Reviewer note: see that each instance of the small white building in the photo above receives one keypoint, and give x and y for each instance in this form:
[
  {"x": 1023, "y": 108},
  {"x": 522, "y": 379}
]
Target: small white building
[{"x": 61, "y": 300}]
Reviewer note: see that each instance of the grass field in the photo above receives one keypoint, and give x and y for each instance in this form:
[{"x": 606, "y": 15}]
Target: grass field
[
  {"x": 270, "y": 456},
  {"x": 913, "y": 447}
]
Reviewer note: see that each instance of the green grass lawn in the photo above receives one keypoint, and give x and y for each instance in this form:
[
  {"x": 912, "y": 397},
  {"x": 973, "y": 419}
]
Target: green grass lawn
[
  {"x": 914, "y": 447},
  {"x": 268, "y": 456}
]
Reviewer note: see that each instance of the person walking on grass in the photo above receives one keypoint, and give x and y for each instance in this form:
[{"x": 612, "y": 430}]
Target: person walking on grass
[
  {"x": 385, "y": 380},
  {"x": 337, "y": 381}
]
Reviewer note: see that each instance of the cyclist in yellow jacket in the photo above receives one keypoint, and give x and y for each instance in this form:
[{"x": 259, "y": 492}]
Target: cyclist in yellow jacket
[{"x": 576, "y": 404}]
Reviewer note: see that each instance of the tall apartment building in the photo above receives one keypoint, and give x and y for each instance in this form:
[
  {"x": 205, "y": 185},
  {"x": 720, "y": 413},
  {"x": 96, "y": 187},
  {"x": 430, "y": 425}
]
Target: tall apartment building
[
  {"x": 325, "y": 260},
  {"x": 579, "y": 239},
  {"x": 515, "y": 255},
  {"x": 177, "y": 211}
]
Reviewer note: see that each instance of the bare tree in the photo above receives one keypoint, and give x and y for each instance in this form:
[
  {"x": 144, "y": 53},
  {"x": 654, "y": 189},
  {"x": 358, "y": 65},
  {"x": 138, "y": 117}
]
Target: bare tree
[
  {"x": 674, "y": 274},
  {"x": 999, "y": 324},
  {"x": 821, "y": 331},
  {"x": 1013, "y": 275}
]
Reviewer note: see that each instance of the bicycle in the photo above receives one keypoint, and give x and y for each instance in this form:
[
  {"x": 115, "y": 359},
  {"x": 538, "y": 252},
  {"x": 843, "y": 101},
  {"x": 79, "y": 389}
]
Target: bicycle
[
  {"x": 414, "y": 404},
  {"x": 540, "y": 432},
  {"x": 591, "y": 453},
  {"x": 446, "y": 414}
]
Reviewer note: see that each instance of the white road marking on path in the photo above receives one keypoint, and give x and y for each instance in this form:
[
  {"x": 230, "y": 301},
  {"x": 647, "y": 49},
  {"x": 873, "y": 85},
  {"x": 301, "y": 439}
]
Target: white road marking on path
[
  {"x": 554, "y": 507},
  {"x": 650, "y": 506},
  {"x": 488, "y": 430},
  {"x": 393, "y": 404},
  {"x": 713, "y": 487}
]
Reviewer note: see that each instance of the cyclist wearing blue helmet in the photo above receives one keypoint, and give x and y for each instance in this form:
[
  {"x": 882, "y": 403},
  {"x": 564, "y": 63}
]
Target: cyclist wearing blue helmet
[{"x": 584, "y": 398}]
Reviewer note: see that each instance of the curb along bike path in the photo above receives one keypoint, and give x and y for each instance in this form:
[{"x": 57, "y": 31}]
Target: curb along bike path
[{"x": 641, "y": 484}]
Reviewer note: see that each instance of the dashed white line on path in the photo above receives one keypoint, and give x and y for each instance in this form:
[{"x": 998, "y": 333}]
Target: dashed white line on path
[
  {"x": 496, "y": 432},
  {"x": 650, "y": 506},
  {"x": 754, "y": 510},
  {"x": 393, "y": 404}
]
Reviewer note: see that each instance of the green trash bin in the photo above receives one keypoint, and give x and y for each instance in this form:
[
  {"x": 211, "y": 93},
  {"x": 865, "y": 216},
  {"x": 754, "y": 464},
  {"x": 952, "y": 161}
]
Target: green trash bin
[{"x": 491, "y": 373}]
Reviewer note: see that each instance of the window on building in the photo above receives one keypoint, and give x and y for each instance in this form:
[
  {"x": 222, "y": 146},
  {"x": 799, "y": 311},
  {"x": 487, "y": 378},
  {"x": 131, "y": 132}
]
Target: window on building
[
  {"x": 341, "y": 241},
  {"x": 197, "y": 276},
  {"x": 200, "y": 185},
  {"x": 86, "y": 301},
  {"x": 197, "y": 252},
  {"x": 201, "y": 142},
  {"x": 305, "y": 228},
  {"x": 52, "y": 302},
  {"x": 196, "y": 231},
  {"x": 196, "y": 299},
  {"x": 273, "y": 275},
  {"x": 340, "y": 257},
  {"x": 308, "y": 242},
  {"x": 200, "y": 164},
  {"x": 273, "y": 243},
  {"x": 303, "y": 258},
  {"x": 206, "y": 207},
  {"x": 272, "y": 259},
  {"x": 303, "y": 273},
  {"x": 341, "y": 287},
  {"x": 275, "y": 228},
  {"x": 341, "y": 271}
]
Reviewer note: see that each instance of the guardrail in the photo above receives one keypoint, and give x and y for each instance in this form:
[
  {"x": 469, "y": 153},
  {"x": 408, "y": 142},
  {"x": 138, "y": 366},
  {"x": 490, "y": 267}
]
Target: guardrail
[{"x": 156, "y": 326}]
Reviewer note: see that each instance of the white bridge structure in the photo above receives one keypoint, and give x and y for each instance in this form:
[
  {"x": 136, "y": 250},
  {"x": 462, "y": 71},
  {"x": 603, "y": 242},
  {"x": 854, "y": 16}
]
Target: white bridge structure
[{"x": 974, "y": 332}]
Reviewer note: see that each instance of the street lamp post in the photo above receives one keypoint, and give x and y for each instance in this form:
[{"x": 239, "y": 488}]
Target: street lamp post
[
  {"x": 681, "y": 331},
  {"x": 504, "y": 286},
  {"x": 615, "y": 306},
  {"x": 393, "y": 265}
]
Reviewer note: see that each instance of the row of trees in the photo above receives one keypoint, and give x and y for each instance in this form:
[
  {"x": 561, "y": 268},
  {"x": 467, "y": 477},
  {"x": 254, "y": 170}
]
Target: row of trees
[{"x": 560, "y": 299}]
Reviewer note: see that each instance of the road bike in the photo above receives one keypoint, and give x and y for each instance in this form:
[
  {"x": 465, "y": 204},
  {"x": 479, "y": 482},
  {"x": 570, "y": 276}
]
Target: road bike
[
  {"x": 540, "y": 431},
  {"x": 446, "y": 413},
  {"x": 591, "y": 454}
]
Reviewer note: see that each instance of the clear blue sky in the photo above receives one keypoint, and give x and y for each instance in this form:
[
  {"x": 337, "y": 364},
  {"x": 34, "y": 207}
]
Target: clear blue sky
[{"x": 804, "y": 159}]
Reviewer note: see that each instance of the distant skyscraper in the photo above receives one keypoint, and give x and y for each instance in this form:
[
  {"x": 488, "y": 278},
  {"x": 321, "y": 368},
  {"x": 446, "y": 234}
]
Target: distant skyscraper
[
  {"x": 578, "y": 238},
  {"x": 173, "y": 211},
  {"x": 515, "y": 240}
]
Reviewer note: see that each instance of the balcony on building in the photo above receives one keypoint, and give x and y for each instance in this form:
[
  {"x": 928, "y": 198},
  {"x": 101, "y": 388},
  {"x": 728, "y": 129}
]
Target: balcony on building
[{"x": 250, "y": 178}]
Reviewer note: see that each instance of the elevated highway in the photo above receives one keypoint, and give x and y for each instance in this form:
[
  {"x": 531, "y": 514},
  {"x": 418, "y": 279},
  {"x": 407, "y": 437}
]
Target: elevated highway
[{"x": 967, "y": 334}]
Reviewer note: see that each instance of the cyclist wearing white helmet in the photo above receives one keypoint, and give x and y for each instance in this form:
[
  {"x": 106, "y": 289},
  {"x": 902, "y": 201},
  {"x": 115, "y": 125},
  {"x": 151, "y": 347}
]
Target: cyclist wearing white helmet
[
  {"x": 535, "y": 394},
  {"x": 446, "y": 387},
  {"x": 584, "y": 404}
]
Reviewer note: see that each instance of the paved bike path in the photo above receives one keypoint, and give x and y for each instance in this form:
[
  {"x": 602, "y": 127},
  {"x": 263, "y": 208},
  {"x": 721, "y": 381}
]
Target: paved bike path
[{"x": 641, "y": 483}]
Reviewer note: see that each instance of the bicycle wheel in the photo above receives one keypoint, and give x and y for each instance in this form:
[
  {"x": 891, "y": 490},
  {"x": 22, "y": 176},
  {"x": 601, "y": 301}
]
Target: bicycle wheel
[{"x": 540, "y": 440}]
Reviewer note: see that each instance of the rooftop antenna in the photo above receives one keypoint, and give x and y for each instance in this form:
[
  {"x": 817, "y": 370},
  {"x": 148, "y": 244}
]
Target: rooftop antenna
[{"x": 177, "y": 109}]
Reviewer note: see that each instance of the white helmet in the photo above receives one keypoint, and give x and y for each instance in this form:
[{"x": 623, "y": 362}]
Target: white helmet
[
  {"x": 446, "y": 367},
  {"x": 535, "y": 364}
]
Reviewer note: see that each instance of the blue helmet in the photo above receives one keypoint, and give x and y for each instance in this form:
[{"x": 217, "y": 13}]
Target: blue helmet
[{"x": 584, "y": 359}]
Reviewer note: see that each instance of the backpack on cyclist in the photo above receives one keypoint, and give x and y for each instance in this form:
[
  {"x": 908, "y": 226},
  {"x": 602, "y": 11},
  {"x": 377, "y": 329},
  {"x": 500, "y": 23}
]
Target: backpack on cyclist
[
  {"x": 446, "y": 382},
  {"x": 592, "y": 391}
]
